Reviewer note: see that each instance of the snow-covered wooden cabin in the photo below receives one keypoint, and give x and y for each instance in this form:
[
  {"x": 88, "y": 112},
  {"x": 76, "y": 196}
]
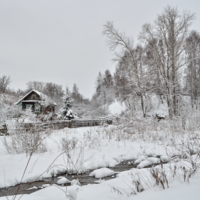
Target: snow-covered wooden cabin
[{"x": 37, "y": 101}]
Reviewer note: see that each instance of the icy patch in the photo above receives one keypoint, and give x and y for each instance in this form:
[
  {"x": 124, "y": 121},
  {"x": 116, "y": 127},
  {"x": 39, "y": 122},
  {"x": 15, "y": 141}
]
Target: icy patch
[{"x": 33, "y": 188}]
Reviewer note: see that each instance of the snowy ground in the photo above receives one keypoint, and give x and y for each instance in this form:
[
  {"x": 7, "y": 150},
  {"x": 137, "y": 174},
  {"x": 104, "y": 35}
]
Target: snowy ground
[{"x": 97, "y": 149}]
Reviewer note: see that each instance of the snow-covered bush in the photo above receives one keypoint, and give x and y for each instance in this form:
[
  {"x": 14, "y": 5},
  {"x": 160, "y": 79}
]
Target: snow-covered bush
[
  {"x": 66, "y": 112},
  {"x": 9, "y": 112},
  {"x": 27, "y": 116},
  {"x": 92, "y": 138},
  {"x": 74, "y": 151},
  {"x": 160, "y": 177},
  {"x": 28, "y": 142}
]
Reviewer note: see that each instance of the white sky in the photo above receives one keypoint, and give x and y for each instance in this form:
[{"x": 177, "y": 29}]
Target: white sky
[{"x": 61, "y": 41}]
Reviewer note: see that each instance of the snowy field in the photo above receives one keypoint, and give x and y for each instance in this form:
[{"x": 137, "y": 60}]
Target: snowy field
[{"x": 98, "y": 149}]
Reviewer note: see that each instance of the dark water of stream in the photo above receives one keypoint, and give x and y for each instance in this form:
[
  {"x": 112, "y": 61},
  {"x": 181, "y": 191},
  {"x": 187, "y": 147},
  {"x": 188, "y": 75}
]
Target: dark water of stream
[{"x": 84, "y": 179}]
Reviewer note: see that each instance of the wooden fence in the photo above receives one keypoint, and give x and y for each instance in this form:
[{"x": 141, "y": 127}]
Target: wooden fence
[
  {"x": 60, "y": 124},
  {"x": 74, "y": 123},
  {"x": 3, "y": 129}
]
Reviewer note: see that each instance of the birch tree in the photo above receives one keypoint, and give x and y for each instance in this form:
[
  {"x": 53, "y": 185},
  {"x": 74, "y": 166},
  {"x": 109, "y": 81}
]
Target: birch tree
[
  {"x": 135, "y": 70},
  {"x": 165, "y": 40},
  {"x": 193, "y": 67}
]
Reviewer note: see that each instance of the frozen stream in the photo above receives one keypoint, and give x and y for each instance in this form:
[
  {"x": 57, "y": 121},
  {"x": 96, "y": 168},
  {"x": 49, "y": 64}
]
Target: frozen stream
[{"x": 84, "y": 179}]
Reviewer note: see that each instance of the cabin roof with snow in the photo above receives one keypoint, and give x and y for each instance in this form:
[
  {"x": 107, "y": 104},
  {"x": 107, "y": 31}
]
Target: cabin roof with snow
[{"x": 35, "y": 96}]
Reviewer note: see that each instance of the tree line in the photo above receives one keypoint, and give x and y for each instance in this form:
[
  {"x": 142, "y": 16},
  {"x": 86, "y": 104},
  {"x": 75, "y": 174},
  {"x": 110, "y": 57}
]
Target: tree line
[{"x": 165, "y": 61}]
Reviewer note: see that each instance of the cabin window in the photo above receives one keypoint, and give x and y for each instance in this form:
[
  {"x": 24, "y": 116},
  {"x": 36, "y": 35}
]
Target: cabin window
[
  {"x": 37, "y": 108},
  {"x": 28, "y": 106}
]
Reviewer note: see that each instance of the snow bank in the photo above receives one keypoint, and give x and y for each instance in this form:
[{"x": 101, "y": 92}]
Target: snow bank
[
  {"x": 165, "y": 158},
  {"x": 116, "y": 108},
  {"x": 124, "y": 157},
  {"x": 100, "y": 160},
  {"x": 101, "y": 173},
  {"x": 72, "y": 192},
  {"x": 148, "y": 162},
  {"x": 140, "y": 159},
  {"x": 63, "y": 180}
]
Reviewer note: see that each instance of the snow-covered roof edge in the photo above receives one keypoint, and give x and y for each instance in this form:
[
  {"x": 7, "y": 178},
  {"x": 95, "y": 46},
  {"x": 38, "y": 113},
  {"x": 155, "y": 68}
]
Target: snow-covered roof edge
[{"x": 37, "y": 92}]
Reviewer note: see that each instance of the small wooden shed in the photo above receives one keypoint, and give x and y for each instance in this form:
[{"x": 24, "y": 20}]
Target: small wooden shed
[{"x": 37, "y": 101}]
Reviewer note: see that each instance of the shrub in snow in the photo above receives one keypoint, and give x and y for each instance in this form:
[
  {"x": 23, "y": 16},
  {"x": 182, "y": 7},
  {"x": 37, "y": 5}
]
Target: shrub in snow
[
  {"x": 28, "y": 116},
  {"x": 74, "y": 152},
  {"x": 138, "y": 181},
  {"x": 160, "y": 177},
  {"x": 8, "y": 112},
  {"x": 23, "y": 141}
]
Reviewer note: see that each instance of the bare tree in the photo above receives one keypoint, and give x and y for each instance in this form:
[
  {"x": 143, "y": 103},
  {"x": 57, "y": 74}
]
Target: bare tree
[
  {"x": 36, "y": 85},
  {"x": 165, "y": 40},
  {"x": 193, "y": 68},
  {"x": 4, "y": 82},
  {"x": 132, "y": 58}
]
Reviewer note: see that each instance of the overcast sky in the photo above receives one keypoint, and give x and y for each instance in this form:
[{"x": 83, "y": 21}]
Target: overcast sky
[{"x": 61, "y": 41}]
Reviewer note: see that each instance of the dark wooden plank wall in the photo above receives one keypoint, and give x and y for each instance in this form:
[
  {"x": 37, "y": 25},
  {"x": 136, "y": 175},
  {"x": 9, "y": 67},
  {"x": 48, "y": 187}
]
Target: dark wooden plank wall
[{"x": 29, "y": 97}]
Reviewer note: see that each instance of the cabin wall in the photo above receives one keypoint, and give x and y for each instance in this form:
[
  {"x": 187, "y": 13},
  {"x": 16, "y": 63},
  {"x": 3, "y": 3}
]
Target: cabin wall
[{"x": 33, "y": 100}]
